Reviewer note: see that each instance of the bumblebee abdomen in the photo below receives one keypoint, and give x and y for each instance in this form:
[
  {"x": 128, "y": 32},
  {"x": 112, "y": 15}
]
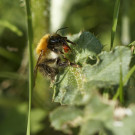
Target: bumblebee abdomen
[{"x": 42, "y": 45}]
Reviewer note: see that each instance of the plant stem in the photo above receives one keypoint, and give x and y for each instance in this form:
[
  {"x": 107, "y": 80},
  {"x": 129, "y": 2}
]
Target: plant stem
[
  {"x": 30, "y": 41},
  {"x": 125, "y": 30},
  {"x": 121, "y": 86},
  {"x": 115, "y": 20},
  {"x": 126, "y": 78}
]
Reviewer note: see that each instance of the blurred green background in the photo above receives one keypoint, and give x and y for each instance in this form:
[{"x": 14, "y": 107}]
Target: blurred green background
[{"x": 48, "y": 16}]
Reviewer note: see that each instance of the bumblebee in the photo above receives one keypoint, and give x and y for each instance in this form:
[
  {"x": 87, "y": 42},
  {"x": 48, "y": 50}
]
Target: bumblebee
[{"x": 50, "y": 51}]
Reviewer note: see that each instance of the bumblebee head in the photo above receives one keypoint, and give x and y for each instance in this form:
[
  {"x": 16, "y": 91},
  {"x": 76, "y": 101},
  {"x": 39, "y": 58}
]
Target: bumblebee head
[
  {"x": 56, "y": 35},
  {"x": 42, "y": 45}
]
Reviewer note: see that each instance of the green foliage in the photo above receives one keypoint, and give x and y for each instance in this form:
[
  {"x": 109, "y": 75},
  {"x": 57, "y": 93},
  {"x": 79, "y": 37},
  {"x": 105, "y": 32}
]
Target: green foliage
[
  {"x": 115, "y": 20},
  {"x": 31, "y": 69},
  {"x": 97, "y": 116},
  {"x": 69, "y": 118},
  {"x": 77, "y": 88},
  {"x": 91, "y": 118},
  {"x": 103, "y": 71},
  {"x": 74, "y": 82},
  {"x": 87, "y": 47},
  {"x": 83, "y": 98}
]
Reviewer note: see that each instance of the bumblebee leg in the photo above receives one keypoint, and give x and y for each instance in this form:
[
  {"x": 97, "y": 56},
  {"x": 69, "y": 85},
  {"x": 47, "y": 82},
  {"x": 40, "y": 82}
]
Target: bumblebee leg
[
  {"x": 71, "y": 64},
  {"x": 70, "y": 42},
  {"x": 47, "y": 70},
  {"x": 58, "y": 51},
  {"x": 66, "y": 63},
  {"x": 63, "y": 64},
  {"x": 36, "y": 67},
  {"x": 74, "y": 65},
  {"x": 47, "y": 61}
]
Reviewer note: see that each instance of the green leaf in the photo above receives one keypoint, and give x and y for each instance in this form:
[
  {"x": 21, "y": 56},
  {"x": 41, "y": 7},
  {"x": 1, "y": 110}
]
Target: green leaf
[
  {"x": 107, "y": 71},
  {"x": 74, "y": 85},
  {"x": 87, "y": 46},
  {"x": 63, "y": 118},
  {"x": 98, "y": 110},
  {"x": 70, "y": 85},
  {"x": 91, "y": 127},
  {"x": 97, "y": 116},
  {"x": 77, "y": 86},
  {"x": 71, "y": 88},
  {"x": 91, "y": 118}
]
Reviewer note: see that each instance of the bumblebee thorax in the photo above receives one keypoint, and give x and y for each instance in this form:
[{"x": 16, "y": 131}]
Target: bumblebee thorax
[{"x": 42, "y": 45}]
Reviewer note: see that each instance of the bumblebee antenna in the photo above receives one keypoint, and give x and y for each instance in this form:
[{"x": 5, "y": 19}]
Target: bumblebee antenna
[{"x": 61, "y": 29}]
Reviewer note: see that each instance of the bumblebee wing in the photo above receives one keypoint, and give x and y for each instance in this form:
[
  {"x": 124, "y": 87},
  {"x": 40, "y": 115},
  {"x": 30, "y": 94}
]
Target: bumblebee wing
[{"x": 36, "y": 67}]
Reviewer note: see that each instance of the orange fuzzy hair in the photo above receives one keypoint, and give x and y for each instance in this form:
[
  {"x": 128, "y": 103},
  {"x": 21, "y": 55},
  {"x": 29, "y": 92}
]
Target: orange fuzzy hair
[{"x": 42, "y": 45}]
